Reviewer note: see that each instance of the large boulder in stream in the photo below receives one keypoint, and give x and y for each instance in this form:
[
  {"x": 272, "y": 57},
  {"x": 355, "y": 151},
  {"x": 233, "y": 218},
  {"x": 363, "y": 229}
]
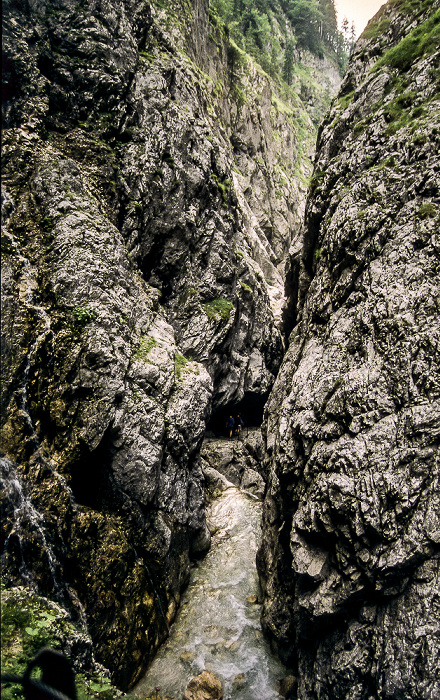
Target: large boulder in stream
[
  {"x": 351, "y": 541},
  {"x": 234, "y": 460},
  {"x": 205, "y": 686}
]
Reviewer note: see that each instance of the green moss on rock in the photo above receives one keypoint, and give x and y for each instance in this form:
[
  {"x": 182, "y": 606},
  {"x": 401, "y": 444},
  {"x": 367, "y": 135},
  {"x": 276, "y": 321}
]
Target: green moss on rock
[{"x": 218, "y": 309}]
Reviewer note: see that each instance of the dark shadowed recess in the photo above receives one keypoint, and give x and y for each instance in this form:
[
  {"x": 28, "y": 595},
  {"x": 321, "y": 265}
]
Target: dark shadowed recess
[
  {"x": 291, "y": 293},
  {"x": 250, "y": 408},
  {"x": 91, "y": 482}
]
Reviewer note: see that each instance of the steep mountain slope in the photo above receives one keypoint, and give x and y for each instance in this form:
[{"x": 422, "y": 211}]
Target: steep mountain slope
[
  {"x": 152, "y": 184},
  {"x": 350, "y": 557}
]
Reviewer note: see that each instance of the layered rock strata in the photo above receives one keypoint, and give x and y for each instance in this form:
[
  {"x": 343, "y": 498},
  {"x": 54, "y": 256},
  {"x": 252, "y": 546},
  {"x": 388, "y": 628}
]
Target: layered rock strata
[{"x": 350, "y": 553}]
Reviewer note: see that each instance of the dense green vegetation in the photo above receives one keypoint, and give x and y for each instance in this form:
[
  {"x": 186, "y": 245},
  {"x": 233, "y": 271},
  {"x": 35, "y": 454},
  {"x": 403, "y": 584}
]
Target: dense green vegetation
[
  {"x": 423, "y": 40},
  {"x": 29, "y": 623},
  {"x": 271, "y": 30}
]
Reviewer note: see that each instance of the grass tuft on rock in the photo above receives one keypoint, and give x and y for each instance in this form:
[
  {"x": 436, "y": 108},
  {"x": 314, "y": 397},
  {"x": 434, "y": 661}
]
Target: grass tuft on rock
[
  {"x": 422, "y": 41},
  {"x": 218, "y": 309},
  {"x": 180, "y": 364},
  {"x": 146, "y": 345}
]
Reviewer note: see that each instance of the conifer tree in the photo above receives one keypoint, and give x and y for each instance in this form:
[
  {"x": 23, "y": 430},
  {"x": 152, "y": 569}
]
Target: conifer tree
[
  {"x": 352, "y": 36},
  {"x": 288, "y": 62},
  {"x": 258, "y": 25}
]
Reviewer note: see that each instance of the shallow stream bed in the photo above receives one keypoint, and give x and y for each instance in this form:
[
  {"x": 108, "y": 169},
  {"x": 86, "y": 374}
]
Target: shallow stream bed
[{"x": 218, "y": 626}]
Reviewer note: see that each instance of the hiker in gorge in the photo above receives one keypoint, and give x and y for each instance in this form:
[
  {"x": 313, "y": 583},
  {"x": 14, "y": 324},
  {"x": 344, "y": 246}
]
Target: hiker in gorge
[
  {"x": 238, "y": 424},
  {"x": 230, "y": 425}
]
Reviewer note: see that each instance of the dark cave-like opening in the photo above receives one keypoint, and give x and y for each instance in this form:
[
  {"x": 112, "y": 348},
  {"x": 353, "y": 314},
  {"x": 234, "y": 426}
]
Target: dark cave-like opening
[
  {"x": 291, "y": 289},
  {"x": 91, "y": 481},
  {"x": 250, "y": 408}
]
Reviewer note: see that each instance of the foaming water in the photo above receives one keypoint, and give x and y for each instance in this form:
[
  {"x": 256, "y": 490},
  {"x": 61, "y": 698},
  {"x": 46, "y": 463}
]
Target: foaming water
[
  {"x": 218, "y": 626},
  {"x": 24, "y": 515}
]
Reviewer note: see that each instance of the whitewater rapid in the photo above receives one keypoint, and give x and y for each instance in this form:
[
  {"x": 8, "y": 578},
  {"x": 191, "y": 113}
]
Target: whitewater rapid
[{"x": 218, "y": 626}]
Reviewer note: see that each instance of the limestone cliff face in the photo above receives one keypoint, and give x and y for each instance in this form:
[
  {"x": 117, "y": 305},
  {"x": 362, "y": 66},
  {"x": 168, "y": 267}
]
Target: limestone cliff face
[
  {"x": 350, "y": 558},
  {"x": 152, "y": 184}
]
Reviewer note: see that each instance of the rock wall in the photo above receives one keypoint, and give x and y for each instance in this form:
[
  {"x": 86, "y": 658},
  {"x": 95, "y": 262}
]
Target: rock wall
[
  {"x": 350, "y": 554},
  {"x": 115, "y": 88},
  {"x": 103, "y": 422},
  {"x": 152, "y": 184}
]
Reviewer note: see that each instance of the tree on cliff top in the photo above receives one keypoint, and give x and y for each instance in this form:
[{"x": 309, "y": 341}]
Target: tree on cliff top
[{"x": 264, "y": 29}]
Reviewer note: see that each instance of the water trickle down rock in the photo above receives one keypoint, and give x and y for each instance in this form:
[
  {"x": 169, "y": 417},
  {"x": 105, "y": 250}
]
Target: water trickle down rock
[{"x": 350, "y": 553}]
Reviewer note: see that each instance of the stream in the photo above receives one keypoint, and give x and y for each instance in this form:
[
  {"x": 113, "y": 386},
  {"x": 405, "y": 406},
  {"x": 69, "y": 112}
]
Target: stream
[{"x": 218, "y": 625}]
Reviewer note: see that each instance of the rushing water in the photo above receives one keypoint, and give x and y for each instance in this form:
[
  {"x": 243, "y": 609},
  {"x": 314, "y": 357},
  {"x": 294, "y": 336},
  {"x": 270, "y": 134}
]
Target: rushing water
[
  {"x": 24, "y": 516},
  {"x": 218, "y": 626}
]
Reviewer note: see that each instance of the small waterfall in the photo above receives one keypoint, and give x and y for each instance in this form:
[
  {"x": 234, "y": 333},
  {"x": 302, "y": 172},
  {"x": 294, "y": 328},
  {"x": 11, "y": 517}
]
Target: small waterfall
[
  {"x": 25, "y": 518},
  {"x": 7, "y": 207},
  {"x": 27, "y": 296},
  {"x": 28, "y": 523},
  {"x": 218, "y": 625}
]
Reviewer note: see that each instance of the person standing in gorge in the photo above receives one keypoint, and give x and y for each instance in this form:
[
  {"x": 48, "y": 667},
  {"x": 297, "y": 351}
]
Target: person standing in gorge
[
  {"x": 230, "y": 425},
  {"x": 238, "y": 425}
]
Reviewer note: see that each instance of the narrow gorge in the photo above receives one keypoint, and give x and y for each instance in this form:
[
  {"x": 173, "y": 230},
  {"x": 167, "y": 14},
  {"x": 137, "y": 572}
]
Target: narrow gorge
[{"x": 171, "y": 256}]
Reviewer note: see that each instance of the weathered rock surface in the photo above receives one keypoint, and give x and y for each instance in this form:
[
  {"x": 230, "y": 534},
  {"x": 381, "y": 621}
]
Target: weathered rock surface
[
  {"x": 102, "y": 422},
  {"x": 146, "y": 213},
  {"x": 185, "y": 159},
  {"x": 350, "y": 554},
  {"x": 206, "y": 686},
  {"x": 234, "y": 460}
]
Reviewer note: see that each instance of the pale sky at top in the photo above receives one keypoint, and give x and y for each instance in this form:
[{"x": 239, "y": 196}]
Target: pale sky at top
[{"x": 358, "y": 11}]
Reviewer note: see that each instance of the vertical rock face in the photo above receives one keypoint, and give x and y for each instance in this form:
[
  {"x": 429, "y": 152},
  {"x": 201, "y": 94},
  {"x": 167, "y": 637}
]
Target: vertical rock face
[
  {"x": 145, "y": 221},
  {"x": 350, "y": 554}
]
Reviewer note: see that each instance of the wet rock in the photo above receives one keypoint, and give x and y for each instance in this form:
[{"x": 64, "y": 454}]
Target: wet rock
[
  {"x": 239, "y": 681},
  {"x": 288, "y": 687},
  {"x": 253, "y": 442},
  {"x": 349, "y": 559},
  {"x": 142, "y": 285},
  {"x": 235, "y": 462},
  {"x": 252, "y": 599},
  {"x": 206, "y": 686},
  {"x": 215, "y": 482}
]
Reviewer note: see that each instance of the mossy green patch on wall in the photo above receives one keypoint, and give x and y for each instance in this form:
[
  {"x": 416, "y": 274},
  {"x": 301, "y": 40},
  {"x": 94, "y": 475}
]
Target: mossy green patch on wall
[
  {"x": 316, "y": 179},
  {"x": 83, "y": 315},
  {"x": 245, "y": 287},
  {"x": 346, "y": 100},
  {"x": 422, "y": 41},
  {"x": 408, "y": 7},
  {"x": 146, "y": 345},
  {"x": 224, "y": 187},
  {"x": 188, "y": 293},
  {"x": 376, "y": 29},
  {"x": 184, "y": 364},
  {"x": 218, "y": 309},
  {"x": 427, "y": 211}
]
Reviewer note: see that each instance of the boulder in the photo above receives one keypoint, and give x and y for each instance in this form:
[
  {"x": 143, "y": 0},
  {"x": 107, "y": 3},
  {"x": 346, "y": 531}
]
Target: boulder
[{"x": 205, "y": 686}]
